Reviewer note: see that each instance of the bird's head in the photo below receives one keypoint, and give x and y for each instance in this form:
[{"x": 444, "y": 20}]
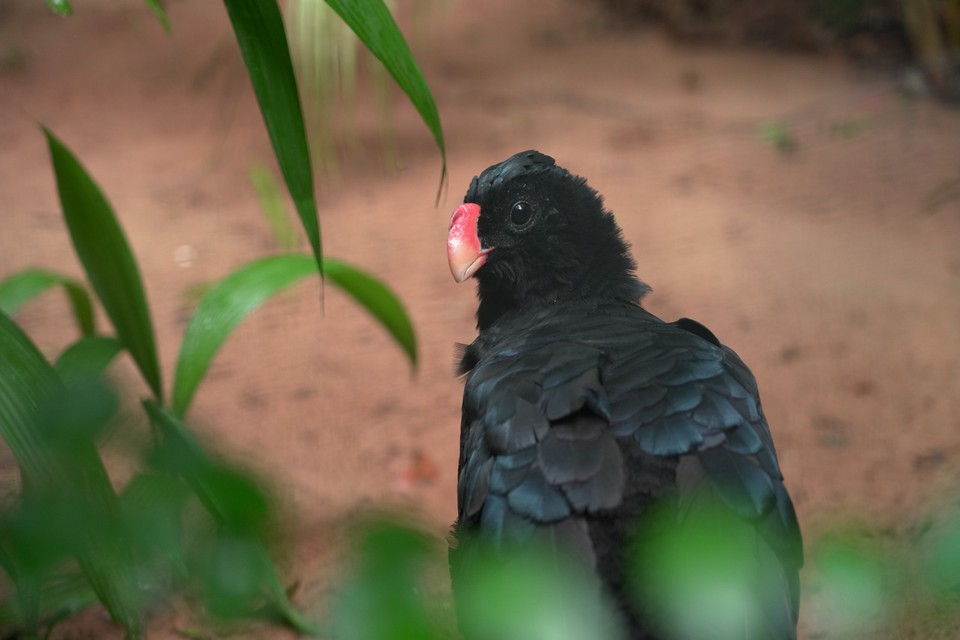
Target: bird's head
[{"x": 533, "y": 235}]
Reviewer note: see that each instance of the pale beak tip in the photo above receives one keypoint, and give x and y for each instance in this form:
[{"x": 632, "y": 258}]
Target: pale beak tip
[{"x": 462, "y": 272}]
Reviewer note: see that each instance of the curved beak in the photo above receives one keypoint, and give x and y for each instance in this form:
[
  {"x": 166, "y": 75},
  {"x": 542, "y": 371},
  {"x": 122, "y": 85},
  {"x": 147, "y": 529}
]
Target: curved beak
[{"x": 463, "y": 244}]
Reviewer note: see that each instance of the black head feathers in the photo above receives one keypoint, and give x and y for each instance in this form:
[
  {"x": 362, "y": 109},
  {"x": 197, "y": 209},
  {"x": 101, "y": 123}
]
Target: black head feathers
[
  {"x": 525, "y": 163},
  {"x": 535, "y": 235}
]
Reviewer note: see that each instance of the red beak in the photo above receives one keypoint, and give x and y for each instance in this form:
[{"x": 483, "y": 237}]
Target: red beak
[{"x": 463, "y": 244}]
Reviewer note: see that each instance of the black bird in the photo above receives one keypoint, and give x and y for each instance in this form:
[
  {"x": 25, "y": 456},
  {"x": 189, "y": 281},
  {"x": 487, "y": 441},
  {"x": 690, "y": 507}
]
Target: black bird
[{"x": 584, "y": 416}]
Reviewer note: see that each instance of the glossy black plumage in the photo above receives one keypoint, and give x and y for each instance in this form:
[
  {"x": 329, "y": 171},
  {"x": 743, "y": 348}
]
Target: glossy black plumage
[{"x": 583, "y": 413}]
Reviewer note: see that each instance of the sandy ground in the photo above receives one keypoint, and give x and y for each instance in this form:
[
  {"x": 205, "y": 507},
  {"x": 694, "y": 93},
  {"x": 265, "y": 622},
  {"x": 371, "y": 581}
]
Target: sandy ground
[{"x": 834, "y": 271}]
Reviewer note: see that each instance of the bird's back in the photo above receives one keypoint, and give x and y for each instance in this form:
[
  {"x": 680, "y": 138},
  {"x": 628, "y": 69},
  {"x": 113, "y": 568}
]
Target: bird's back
[{"x": 602, "y": 429}]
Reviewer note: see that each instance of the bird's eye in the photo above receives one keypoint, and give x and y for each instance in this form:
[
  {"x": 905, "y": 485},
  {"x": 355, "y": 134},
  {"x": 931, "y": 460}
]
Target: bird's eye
[{"x": 521, "y": 213}]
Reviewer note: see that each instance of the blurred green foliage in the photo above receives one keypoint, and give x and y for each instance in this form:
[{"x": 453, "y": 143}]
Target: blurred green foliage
[
  {"x": 395, "y": 588},
  {"x": 859, "y": 584},
  {"x": 850, "y": 127},
  {"x": 535, "y": 592},
  {"x": 65, "y": 9},
  {"x": 326, "y": 56},
  {"x": 325, "y": 37},
  {"x": 853, "y": 584},
  {"x": 185, "y": 520},
  {"x": 942, "y": 564},
  {"x": 15, "y": 291},
  {"x": 708, "y": 562},
  {"x": 52, "y": 419},
  {"x": 387, "y": 594},
  {"x": 779, "y": 135},
  {"x": 858, "y": 588},
  {"x": 272, "y": 206},
  {"x": 262, "y": 38}
]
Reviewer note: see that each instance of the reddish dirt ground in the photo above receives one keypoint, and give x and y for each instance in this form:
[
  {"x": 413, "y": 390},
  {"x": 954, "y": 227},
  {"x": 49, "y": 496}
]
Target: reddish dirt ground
[{"x": 834, "y": 271}]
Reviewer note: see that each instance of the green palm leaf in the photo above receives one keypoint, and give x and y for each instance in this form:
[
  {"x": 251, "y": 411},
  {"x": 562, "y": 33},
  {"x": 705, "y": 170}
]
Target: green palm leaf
[
  {"x": 258, "y": 26},
  {"x": 378, "y": 300},
  {"x": 236, "y": 296},
  {"x": 22, "y": 287},
  {"x": 157, "y": 9},
  {"x": 61, "y": 467},
  {"x": 106, "y": 257},
  {"x": 373, "y": 24},
  {"x": 60, "y": 7},
  {"x": 227, "y": 496},
  {"x": 221, "y": 309},
  {"x": 87, "y": 358}
]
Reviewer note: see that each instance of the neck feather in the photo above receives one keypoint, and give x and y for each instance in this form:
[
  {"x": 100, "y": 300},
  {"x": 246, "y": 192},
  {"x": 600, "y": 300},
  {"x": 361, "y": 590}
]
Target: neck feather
[{"x": 610, "y": 278}]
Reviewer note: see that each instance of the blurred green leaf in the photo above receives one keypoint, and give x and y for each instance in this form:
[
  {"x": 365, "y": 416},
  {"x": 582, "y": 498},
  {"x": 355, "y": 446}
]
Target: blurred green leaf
[
  {"x": 373, "y": 24},
  {"x": 75, "y": 417},
  {"x": 701, "y": 557},
  {"x": 42, "y": 531},
  {"x": 157, "y": 498},
  {"x": 233, "y": 571},
  {"x": 153, "y": 506},
  {"x": 387, "y": 577},
  {"x": 106, "y": 257},
  {"x": 231, "y": 497},
  {"x": 534, "y": 591},
  {"x": 943, "y": 560},
  {"x": 20, "y": 288},
  {"x": 778, "y": 134},
  {"x": 235, "y": 503},
  {"x": 58, "y": 598},
  {"x": 87, "y": 358},
  {"x": 87, "y": 510},
  {"x": 378, "y": 300},
  {"x": 324, "y": 52},
  {"x": 237, "y": 295},
  {"x": 221, "y": 309},
  {"x": 160, "y": 14},
  {"x": 179, "y": 454},
  {"x": 272, "y": 206},
  {"x": 60, "y": 7},
  {"x": 258, "y": 26},
  {"x": 852, "y": 586},
  {"x": 24, "y": 565},
  {"x": 66, "y": 467},
  {"x": 194, "y": 292},
  {"x": 26, "y": 383},
  {"x": 63, "y": 8}
]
